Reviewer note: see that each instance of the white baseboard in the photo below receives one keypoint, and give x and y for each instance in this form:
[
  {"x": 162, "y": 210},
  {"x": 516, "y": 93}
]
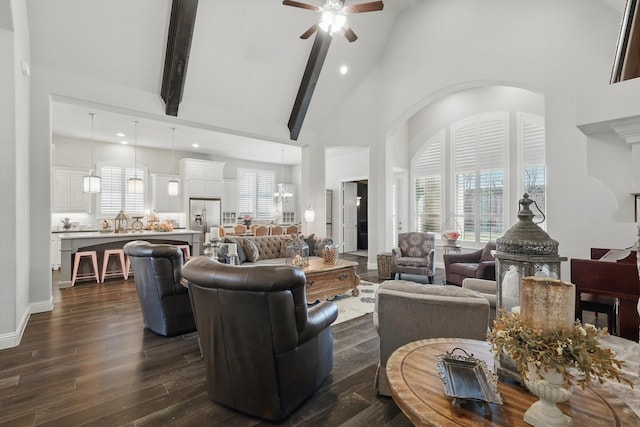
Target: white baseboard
[{"x": 12, "y": 339}]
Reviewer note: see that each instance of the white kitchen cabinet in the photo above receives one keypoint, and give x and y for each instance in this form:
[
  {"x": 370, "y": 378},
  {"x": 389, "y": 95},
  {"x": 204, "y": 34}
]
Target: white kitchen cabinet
[
  {"x": 230, "y": 201},
  {"x": 202, "y": 178},
  {"x": 161, "y": 201},
  {"x": 67, "y": 193}
]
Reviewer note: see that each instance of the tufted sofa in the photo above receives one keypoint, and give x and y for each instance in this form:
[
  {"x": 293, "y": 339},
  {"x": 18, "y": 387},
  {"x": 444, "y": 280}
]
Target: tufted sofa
[{"x": 269, "y": 249}]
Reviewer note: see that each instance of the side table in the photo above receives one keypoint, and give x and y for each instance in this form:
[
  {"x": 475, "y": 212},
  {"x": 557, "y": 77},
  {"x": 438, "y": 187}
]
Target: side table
[
  {"x": 384, "y": 266},
  {"x": 416, "y": 388},
  {"x": 451, "y": 248}
]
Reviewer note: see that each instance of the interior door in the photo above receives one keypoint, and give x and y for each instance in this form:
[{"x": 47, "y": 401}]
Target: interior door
[{"x": 349, "y": 216}]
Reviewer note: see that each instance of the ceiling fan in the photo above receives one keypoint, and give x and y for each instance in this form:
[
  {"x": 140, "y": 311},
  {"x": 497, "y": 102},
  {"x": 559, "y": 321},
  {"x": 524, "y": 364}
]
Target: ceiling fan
[{"x": 334, "y": 16}]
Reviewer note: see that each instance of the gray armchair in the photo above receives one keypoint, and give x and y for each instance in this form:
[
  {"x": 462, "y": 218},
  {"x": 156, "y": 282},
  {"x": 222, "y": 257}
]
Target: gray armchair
[
  {"x": 265, "y": 352},
  {"x": 407, "y": 311},
  {"x": 414, "y": 254},
  {"x": 157, "y": 268}
]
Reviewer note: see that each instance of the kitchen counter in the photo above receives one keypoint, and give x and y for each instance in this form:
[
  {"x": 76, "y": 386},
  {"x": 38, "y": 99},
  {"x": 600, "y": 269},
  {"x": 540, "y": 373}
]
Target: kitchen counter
[{"x": 72, "y": 242}]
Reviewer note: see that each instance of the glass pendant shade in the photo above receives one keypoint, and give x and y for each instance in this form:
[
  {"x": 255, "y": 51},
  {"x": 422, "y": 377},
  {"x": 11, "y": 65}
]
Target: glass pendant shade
[
  {"x": 173, "y": 187},
  {"x": 135, "y": 186},
  {"x": 91, "y": 183},
  {"x": 309, "y": 214}
]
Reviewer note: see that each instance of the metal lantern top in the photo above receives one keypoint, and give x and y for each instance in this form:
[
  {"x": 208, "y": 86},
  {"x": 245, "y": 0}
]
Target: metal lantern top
[
  {"x": 121, "y": 223},
  {"x": 525, "y": 237}
]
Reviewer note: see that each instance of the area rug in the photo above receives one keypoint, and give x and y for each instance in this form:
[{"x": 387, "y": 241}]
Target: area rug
[{"x": 350, "y": 307}]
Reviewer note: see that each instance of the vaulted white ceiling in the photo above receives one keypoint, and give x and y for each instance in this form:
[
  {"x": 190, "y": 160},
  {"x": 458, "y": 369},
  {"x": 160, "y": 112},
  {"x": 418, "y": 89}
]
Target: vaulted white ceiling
[{"x": 245, "y": 67}]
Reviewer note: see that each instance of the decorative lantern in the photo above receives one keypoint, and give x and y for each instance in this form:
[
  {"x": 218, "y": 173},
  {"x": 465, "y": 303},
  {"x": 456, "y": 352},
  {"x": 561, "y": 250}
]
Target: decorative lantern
[
  {"x": 121, "y": 223},
  {"x": 524, "y": 250},
  {"x": 298, "y": 253}
]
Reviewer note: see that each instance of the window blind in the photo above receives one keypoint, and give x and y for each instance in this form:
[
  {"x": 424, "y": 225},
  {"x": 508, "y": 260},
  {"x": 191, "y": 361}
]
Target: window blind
[
  {"x": 478, "y": 156},
  {"x": 114, "y": 195},
  {"x": 255, "y": 193},
  {"x": 533, "y": 174},
  {"x": 427, "y": 168}
]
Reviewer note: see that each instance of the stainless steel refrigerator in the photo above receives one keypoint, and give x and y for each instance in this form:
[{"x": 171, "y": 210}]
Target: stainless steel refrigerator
[{"x": 204, "y": 214}]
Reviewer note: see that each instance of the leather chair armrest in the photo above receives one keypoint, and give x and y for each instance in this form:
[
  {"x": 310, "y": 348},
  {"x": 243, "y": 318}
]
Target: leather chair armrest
[
  {"x": 468, "y": 257},
  {"x": 486, "y": 270},
  {"x": 321, "y": 316}
]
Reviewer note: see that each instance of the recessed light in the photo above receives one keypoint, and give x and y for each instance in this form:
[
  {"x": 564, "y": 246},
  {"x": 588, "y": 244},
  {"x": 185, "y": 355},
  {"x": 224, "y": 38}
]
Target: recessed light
[
  {"x": 123, "y": 142},
  {"x": 194, "y": 145},
  {"x": 120, "y": 134},
  {"x": 344, "y": 70}
]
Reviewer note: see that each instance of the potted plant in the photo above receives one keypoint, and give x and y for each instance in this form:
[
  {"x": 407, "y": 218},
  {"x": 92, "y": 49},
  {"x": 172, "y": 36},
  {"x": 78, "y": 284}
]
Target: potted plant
[{"x": 551, "y": 362}]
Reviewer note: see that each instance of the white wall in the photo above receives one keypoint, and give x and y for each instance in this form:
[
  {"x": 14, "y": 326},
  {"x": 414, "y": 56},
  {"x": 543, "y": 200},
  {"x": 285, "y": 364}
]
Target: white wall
[
  {"x": 16, "y": 302},
  {"x": 556, "y": 48}
]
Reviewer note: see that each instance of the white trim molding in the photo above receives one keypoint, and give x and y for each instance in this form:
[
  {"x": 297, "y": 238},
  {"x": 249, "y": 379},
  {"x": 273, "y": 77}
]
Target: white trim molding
[{"x": 12, "y": 339}]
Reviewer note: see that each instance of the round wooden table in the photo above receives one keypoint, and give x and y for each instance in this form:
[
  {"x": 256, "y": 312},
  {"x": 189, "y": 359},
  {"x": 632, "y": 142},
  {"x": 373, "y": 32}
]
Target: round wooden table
[{"x": 417, "y": 389}]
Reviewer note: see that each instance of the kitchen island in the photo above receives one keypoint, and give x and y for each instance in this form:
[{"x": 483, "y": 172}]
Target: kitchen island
[{"x": 70, "y": 243}]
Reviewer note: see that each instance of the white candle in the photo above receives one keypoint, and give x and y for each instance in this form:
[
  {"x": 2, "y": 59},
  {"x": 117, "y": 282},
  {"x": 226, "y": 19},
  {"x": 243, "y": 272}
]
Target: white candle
[
  {"x": 233, "y": 249},
  {"x": 215, "y": 232},
  {"x": 207, "y": 237}
]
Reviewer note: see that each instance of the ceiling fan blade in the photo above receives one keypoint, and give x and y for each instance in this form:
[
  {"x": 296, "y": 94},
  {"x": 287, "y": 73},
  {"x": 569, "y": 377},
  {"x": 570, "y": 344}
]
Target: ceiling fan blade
[
  {"x": 349, "y": 34},
  {"x": 364, "y": 7},
  {"x": 310, "y": 31},
  {"x": 301, "y": 5}
]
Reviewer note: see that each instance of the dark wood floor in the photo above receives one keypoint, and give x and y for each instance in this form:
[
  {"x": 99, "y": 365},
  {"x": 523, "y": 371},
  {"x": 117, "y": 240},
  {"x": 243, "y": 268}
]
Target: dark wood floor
[{"x": 90, "y": 361}]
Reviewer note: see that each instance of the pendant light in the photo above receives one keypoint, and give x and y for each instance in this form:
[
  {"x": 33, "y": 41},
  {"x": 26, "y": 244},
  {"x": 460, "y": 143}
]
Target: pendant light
[
  {"x": 91, "y": 183},
  {"x": 135, "y": 185},
  {"x": 173, "y": 187}
]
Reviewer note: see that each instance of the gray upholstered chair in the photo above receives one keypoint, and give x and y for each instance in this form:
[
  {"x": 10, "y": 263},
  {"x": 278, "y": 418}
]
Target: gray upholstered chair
[
  {"x": 265, "y": 352},
  {"x": 414, "y": 254},
  {"x": 157, "y": 268},
  {"x": 407, "y": 311}
]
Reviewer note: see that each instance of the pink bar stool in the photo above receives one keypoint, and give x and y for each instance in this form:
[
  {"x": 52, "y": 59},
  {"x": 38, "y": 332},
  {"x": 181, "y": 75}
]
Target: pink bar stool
[
  {"x": 186, "y": 250},
  {"x": 123, "y": 265},
  {"x": 76, "y": 264}
]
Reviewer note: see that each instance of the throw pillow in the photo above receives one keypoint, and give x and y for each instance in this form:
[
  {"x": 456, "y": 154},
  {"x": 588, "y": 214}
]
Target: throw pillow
[
  {"x": 251, "y": 250},
  {"x": 223, "y": 255},
  {"x": 310, "y": 240},
  {"x": 242, "y": 257}
]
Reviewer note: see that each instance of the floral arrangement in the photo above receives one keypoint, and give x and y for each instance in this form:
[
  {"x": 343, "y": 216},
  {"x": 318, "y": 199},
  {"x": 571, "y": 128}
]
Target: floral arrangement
[
  {"x": 451, "y": 235},
  {"x": 566, "y": 350},
  {"x": 247, "y": 219},
  {"x": 160, "y": 226}
]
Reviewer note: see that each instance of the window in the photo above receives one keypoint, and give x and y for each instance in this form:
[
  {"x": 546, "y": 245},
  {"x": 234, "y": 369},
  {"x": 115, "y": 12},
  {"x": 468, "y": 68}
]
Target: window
[
  {"x": 255, "y": 193},
  {"x": 114, "y": 196},
  {"x": 478, "y": 156},
  {"x": 427, "y": 170},
  {"x": 533, "y": 173}
]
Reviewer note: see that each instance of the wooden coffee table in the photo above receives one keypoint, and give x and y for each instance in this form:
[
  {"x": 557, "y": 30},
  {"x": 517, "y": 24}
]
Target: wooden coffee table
[
  {"x": 325, "y": 281},
  {"x": 417, "y": 389}
]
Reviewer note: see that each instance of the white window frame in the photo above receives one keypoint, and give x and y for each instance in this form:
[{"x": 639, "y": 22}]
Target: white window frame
[
  {"x": 475, "y": 163},
  {"x": 428, "y": 165},
  {"x": 130, "y": 204},
  {"x": 256, "y": 199},
  {"x": 531, "y": 148}
]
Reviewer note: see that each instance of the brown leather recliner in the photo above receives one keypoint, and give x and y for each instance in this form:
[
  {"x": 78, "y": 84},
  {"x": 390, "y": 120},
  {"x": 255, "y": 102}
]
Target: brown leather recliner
[
  {"x": 157, "y": 268},
  {"x": 265, "y": 353},
  {"x": 476, "y": 265}
]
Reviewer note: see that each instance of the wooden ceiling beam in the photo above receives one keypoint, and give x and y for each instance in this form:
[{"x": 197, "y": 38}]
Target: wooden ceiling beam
[
  {"x": 309, "y": 80},
  {"x": 181, "y": 25}
]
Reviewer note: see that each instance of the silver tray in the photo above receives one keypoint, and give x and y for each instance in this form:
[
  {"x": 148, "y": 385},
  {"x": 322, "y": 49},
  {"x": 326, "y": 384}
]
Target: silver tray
[{"x": 467, "y": 379}]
